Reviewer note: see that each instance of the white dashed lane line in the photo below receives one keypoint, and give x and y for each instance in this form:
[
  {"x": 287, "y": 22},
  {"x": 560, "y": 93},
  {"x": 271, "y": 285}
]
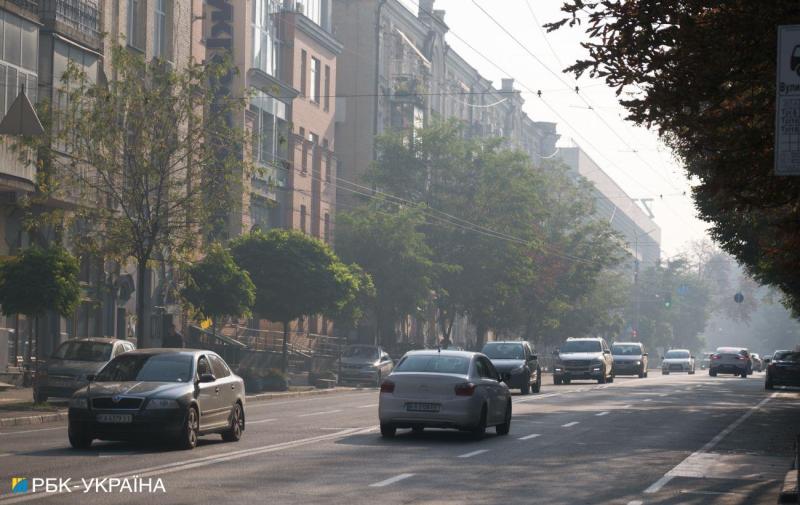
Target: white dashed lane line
[
  {"x": 368, "y": 406},
  {"x": 259, "y": 421},
  {"x": 390, "y": 481},
  {"x": 320, "y": 413},
  {"x": 528, "y": 437},
  {"x": 473, "y": 453},
  {"x": 569, "y": 425},
  {"x": 600, "y": 414}
]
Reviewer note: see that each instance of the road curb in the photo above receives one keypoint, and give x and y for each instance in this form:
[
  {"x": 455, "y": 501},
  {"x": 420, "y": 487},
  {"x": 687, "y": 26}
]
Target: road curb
[
  {"x": 789, "y": 490},
  {"x": 39, "y": 419}
]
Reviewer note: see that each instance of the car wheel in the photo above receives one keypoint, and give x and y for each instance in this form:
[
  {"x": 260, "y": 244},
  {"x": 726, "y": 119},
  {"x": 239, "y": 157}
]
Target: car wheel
[
  {"x": 567, "y": 381},
  {"x": 234, "y": 433},
  {"x": 525, "y": 389},
  {"x": 602, "y": 379},
  {"x": 712, "y": 373},
  {"x": 768, "y": 384},
  {"x": 388, "y": 431},
  {"x": 39, "y": 397},
  {"x": 190, "y": 428},
  {"x": 691, "y": 372},
  {"x": 642, "y": 373},
  {"x": 79, "y": 439},
  {"x": 665, "y": 372},
  {"x": 537, "y": 387},
  {"x": 480, "y": 429},
  {"x": 613, "y": 376},
  {"x": 744, "y": 374},
  {"x": 645, "y": 374},
  {"x": 503, "y": 429},
  {"x": 557, "y": 381}
]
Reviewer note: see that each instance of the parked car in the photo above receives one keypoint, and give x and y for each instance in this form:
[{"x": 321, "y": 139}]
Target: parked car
[
  {"x": 176, "y": 395},
  {"x": 517, "y": 365},
  {"x": 678, "y": 360},
  {"x": 706, "y": 361},
  {"x": 583, "y": 358},
  {"x": 66, "y": 370},
  {"x": 784, "y": 370},
  {"x": 758, "y": 363},
  {"x": 630, "y": 358},
  {"x": 732, "y": 360},
  {"x": 364, "y": 364},
  {"x": 444, "y": 389}
]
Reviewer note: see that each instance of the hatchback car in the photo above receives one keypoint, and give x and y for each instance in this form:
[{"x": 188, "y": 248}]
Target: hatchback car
[
  {"x": 444, "y": 389},
  {"x": 66, "y": 370},
  {"x": 364, "y": 364},
  {"x": 630, "y": 358},
  {"x": 173, "y": 394},
  {"x": 783, "y": 370},
  {"x": 517, "y": 364},
  {"x": 583, "y": 358},
  {"x": 732, "y": 360},
  {"x": 678, "y": 360}
]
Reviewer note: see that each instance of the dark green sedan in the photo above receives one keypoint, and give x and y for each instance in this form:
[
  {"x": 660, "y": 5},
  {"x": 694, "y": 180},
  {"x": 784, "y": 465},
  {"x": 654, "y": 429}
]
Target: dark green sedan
[{"x": 172, "y": 394}]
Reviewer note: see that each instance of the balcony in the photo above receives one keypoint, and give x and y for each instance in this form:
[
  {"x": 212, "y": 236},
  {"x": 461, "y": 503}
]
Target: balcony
[
  {"x": 77, "y": 19},
  {"x": 408, "y": 88}
]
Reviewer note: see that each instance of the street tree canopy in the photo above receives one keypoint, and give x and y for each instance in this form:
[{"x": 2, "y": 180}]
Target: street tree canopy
[{"x": 703, "y": 74}]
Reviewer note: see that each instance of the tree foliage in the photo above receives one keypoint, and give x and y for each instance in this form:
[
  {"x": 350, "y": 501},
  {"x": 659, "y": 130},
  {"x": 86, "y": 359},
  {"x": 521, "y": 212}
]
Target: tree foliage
[
  {"x": 703, "y": 74},
  {"x": 217, "y": 287},
  {"x": 40, "y": 280}
]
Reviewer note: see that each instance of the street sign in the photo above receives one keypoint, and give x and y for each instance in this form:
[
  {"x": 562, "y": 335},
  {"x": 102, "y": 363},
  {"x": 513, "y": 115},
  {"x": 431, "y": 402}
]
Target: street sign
[{"x": 787, "y": 102}]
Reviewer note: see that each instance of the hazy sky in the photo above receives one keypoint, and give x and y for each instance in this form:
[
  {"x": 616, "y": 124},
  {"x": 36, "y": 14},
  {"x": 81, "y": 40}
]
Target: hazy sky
[{"x": 650, "y": 172}]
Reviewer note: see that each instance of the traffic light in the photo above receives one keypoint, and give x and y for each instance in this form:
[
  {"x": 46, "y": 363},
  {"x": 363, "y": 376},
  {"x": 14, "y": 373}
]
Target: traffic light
[{"x": 668, "y": 301}]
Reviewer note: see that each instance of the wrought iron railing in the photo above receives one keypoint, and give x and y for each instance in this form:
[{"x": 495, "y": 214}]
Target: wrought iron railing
[{"x": 81, "y": 15}]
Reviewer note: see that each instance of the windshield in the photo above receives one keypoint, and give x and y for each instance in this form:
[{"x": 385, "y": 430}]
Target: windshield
[
  {"x": 361, "y": 351},
  {"x": 148, "y": 368},
  {"x": 676, "y": 354},
  {"x": 787, "y": 356},
  {"x": 626, "y": 350},
  {"x": 433, "y": 363},
  {"x": 504, "y": 351},
  {"x": 84, "y": 351},
  {"x": 580, "y": 346}
]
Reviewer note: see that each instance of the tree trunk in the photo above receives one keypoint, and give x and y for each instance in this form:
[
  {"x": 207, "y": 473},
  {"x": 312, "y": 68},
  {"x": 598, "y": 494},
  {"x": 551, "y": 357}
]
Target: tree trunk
[
  {"x": 285, "y": 359},
  {"x": 480, "y": 334},
  {"x": 142, "y": 340}
]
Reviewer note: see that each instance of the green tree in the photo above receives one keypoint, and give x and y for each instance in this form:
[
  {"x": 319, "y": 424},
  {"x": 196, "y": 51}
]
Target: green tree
[
  {"x": 703, "y": 73},
  {"x": 135, "y": 155},
  {"x": 217, "y": 287},
  {"x": 40, "y": 280},
  {"x": 294, "y": 275}
]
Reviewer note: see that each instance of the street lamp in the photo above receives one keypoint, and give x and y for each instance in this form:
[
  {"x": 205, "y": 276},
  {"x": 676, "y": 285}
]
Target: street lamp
[{"x": 636, "y": 277}]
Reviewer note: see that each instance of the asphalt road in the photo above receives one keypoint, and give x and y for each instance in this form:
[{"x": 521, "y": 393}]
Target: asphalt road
[{"x": 672, "y": 439}]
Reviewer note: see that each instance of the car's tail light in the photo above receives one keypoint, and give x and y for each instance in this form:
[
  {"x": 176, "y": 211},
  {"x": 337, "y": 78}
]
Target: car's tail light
[
  {"x": 465, "y": 389},
  {"x": 739, "y": 356},
  {"x": 716, "y": 356},
  {"x": 387, "y": 387}
]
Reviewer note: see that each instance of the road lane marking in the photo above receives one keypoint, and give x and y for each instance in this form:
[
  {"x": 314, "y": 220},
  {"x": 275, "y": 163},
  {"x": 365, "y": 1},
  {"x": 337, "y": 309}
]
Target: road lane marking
[
  {"x": 660, "y": 483},
  {"x": 600, "y": 414},
  {"x": 528, "y": 437},
  {"x": 3, "y": 455},
  {"x": 537, "y": 397},
  {"x": 368, "y": 406},
  {"x": 647, "y": 400},
  {"x": 320, "y": 413},
  {"x": 31, "y": 431},
  {"x": 388, "y": 482},
  {"x": 473, "y": 453},
  {"x": 626, "y": 406},
  {"x": 635, "y": 502},
  {"x": 569, "y": 425},
  {"x": 259, "y": 421},
  {"x": 167, "y": 468}
]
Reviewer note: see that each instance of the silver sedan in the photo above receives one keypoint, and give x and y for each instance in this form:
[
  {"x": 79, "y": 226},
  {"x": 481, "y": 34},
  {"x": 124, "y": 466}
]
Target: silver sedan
[{"x": 444, "y": 389}]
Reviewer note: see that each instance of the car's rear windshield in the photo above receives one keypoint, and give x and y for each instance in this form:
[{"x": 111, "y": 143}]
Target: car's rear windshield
[
  {"x": 580, "y": 346},
  {"x": 361, "y": 351},
  {"x": 787, "y": 356},
  {"x": 433, "y": 363},
  {"x": 626, "y": 350},
  {"x": 148, "y": 368},
  {"x": 504, "y": 351},
  {"x": 84, "y": 351},
  {"x": 677, "y": 354}
]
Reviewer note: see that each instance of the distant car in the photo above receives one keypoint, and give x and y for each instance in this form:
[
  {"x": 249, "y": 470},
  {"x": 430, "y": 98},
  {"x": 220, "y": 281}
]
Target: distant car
[
  {"x": 364, "y": 364},
  {"x": 66, "y": 370},
  {"x": 444, "y": 389},
  {"x": 706, "y": 361},
  {"x": 583, "y": 358},
  {"x": 173, "y": 394},
  {"x": 678, "y": 360},
  {"x": 630, "y": 358},
  {"x": 783, "y": 370},
  {"x": 731, "y": 360},
  {"x": 517, "y": 364},
  {"x": 758, "y": 363}
]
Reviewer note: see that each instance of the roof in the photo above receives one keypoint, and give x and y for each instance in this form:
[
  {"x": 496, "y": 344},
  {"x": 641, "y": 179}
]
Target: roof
[
  {"x": 95, "y": 339},
  {"x": 584, "y": 338},
  {"x": 629, "y": 343},
  {"x": 444, "y": 352},
  {"x": 160, "y": 350}
]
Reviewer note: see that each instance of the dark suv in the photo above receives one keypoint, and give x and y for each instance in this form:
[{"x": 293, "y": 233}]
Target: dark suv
[
  {"x": 583, "y": 358},
  {"x": 517, "y": 364}
]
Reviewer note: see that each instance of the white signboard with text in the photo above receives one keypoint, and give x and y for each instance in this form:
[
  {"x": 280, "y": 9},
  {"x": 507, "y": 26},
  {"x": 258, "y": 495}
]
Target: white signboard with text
[{"x": 787, "y": 102}]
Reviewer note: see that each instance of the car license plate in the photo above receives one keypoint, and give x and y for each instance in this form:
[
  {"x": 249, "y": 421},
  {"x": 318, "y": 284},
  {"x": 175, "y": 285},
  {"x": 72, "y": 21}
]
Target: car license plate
[
  {"x": 422, "y": 407},
  {"x": 114, "y": 418}
]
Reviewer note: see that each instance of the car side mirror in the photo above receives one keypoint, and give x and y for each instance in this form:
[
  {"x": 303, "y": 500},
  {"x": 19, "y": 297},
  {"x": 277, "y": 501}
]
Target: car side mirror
[
  {"x": 91, "y": 377},
  {"x": 767, "y": 360},
  {"x": 534, "y": 357},
  {"x": 606, "y": 351},
  {"x": 692, "y": 357},
  {"x": 555, "y": 353},
  {"x": 207, "y": 377},
  {"x": 644, "y": 354}
]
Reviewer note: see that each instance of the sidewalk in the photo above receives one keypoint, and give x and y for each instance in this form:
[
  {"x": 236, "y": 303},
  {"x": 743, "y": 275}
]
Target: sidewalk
[{"x": 17, "y": 407}]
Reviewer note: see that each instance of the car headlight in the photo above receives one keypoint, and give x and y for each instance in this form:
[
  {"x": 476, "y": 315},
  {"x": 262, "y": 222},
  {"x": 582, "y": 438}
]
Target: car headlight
[
  {"x": 638, "y": 363},
  {"x": 80, "y": 402},
  {"x": 162, "y": 403}
]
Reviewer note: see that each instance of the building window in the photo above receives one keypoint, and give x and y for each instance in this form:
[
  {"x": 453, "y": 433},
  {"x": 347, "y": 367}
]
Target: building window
[
  {"x": 313, "y": 139},
  {"x": 19, "y": 50},
  {"x": 326, "y": 234},
  {"x": 270, "y": 129},
  {"x": 313, "y": 10},
  {"x": 327, "y": 153},
  {"x": 303, "y": 218},
  {"x": 303, "y": 71},
  {"x": 304, "y": 147},
  {"x": 327, "y": 89},
  {"x": 136, "y": 24},
  {"x": 266, "y": 42},
  {"x": 162, "y": 37},
  {"x": 315, "y": 77}
]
